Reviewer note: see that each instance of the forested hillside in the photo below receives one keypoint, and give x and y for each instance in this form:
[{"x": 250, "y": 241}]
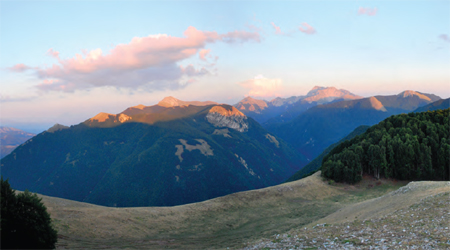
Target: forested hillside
[
  {"x": 153, "y": 156},
  {"x": 314, "y": 130},
  {"x": 315, "y": 164},
  {"x": 413, "y": 146}
]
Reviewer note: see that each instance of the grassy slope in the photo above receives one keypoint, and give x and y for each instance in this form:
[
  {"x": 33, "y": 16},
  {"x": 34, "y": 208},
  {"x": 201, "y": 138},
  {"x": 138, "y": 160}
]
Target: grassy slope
[{"x": 228, "y": 221}]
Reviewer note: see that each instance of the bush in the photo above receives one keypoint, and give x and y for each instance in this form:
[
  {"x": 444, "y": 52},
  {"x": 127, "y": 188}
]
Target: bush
[{"x": 25, "y": 223}]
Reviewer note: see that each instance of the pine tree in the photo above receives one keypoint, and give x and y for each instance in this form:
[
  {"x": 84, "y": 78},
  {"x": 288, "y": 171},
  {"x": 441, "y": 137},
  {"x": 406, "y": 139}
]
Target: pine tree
[{"x": 407, "y": 147}]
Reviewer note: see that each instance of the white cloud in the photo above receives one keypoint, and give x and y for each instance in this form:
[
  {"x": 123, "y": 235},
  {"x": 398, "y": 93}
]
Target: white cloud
[{"x": 260, "y": 86}]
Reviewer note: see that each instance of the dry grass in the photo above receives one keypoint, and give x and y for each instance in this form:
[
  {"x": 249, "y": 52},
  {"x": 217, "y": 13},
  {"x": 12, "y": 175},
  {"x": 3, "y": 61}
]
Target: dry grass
[
  {"x": 416, "y": 216},
  {"x": 229, "y": 221}
]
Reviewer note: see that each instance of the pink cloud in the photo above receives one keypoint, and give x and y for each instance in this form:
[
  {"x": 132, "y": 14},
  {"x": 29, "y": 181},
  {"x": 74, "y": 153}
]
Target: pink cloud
[
  {"x": 19, "y": 67},
  {"x": 277, "y": 29},
  {"x": 367, "y": 11},
  {"x": 307, "y": 29},
  {"x": 203, "y": 53},
  {"x": 152, "y": 61},
  {"x": 445, "y": 37},
  {"x": 53, "y": 53},
  {"x": 262, "y": 87}
]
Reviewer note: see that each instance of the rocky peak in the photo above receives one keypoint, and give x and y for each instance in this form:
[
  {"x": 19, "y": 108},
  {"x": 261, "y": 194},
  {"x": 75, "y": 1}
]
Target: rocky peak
[
  {"x": 9, "y": 129},
  {"x": 173, "y": 102},
  {"x": 101, "y": 117},
  {"x": 226, "y": 111},
  {"x": 169, "y": 102},
  {"x": 316, "y": 89},
  {"x": 328, "y": 94},
  {"x": 140, "y": 106},
  {"x": 227, "y": 116},
  {"x": 251, "y": 104},
  {"x": 123, "y": 118},
  {"x": 279, "y": 101},
  {"x": 56, "y": 127},
  {"x": 104, "y": 117},
  {"x": 411, "y": 93}
]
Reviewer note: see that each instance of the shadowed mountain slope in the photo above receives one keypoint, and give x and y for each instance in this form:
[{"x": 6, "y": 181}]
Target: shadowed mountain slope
[
  {"x": 153, "y": 156},
  {"x": 440, "y": 104},
  {"x": 320, "y": 126},
  {"x": 315, "y": 164}
]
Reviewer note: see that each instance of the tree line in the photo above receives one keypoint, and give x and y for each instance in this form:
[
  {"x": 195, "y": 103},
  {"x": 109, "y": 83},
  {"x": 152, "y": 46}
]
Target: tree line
[{"x": 414, "y": 146}]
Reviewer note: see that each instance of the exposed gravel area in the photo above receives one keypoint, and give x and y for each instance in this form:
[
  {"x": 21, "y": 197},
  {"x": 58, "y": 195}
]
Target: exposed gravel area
[{"x": 424, "y": 225}]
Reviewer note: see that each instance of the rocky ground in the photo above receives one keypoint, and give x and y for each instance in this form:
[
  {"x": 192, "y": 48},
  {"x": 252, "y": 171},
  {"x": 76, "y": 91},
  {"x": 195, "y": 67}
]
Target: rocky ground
[{"x": 423, "y": 225}]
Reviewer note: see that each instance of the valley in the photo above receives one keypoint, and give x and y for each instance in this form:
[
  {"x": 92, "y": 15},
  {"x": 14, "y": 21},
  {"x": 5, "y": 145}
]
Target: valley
[
  {"x": 238, "y": 220},
  {"x": 191, "y": 206},
  {"x": 225, "y": 125}
]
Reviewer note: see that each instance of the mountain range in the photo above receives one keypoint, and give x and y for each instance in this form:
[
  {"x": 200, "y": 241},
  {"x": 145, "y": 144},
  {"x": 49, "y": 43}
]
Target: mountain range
[
  {"x": 320, "y": 126},
  {"x": 179, "y": 152},
  {"x": 163, "y": 155},
  {"x": 10, "y": 138},
  {"x": 284, "y": 109}
]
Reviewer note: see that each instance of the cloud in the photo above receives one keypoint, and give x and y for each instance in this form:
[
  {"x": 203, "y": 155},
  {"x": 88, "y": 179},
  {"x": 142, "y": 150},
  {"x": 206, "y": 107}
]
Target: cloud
[
  {"x": 153, "y": 61},
  {"x": 367, "y": 11},
  {"x": 307, "y": 29},
  {"x": 262, "y": 87},
  {"x": 19, "y": 67},
  {"x": 203, "y": 53},
  {"x": 53, "y": 53},
  {"x": 445, "y": 37},
  {"x": 277, "y": 29}
]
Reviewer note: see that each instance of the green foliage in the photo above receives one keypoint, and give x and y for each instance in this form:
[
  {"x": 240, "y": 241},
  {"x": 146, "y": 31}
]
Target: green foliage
[
  {"x": 411, "y": 146},
  {"x": 25, "y": 223}
]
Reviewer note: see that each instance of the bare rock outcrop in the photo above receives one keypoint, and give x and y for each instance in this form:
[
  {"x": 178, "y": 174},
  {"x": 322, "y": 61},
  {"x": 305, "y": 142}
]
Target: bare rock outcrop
[{"x": 228, "y": 117}]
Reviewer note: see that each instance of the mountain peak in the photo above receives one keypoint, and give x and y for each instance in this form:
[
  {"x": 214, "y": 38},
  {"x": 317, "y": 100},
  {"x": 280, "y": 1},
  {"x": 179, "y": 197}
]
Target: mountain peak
[
  {"x": 318, "y": 88},
  {"x": 328, "y": 94},
  {"x": 224, "y": 111},
  {"x": 8, "y": 129},
  {"x": 227, "y": 116},
  {"x": 101, "y": 117},
  {"x": 251, "y": 104},
  {"x": 171, "y": 101},
  {"x": 140, "y": 106},
  {"x": 56, "y": 127},
  {"x": 250, "y": 99},
  {"x": 408, "y": 93}
]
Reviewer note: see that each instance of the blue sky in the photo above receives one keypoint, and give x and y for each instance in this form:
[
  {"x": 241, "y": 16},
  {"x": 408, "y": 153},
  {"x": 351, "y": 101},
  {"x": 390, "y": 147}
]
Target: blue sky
[{"x": 211, "y": 50}]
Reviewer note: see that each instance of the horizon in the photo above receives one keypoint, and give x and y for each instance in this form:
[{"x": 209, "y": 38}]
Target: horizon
[{"x": 59, "y": 68}]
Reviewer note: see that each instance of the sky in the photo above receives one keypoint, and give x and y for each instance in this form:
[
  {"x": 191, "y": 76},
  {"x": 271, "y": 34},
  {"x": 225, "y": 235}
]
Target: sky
[{"x": 65, "y": 61}]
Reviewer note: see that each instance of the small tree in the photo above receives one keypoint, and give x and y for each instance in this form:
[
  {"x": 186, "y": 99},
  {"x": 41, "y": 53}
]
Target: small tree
[{"x": 25, "y": 223}]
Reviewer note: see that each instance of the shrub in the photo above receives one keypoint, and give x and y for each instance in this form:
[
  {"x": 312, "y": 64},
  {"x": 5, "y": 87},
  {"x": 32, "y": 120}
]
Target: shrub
[{"x": 25, "y": 223}]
